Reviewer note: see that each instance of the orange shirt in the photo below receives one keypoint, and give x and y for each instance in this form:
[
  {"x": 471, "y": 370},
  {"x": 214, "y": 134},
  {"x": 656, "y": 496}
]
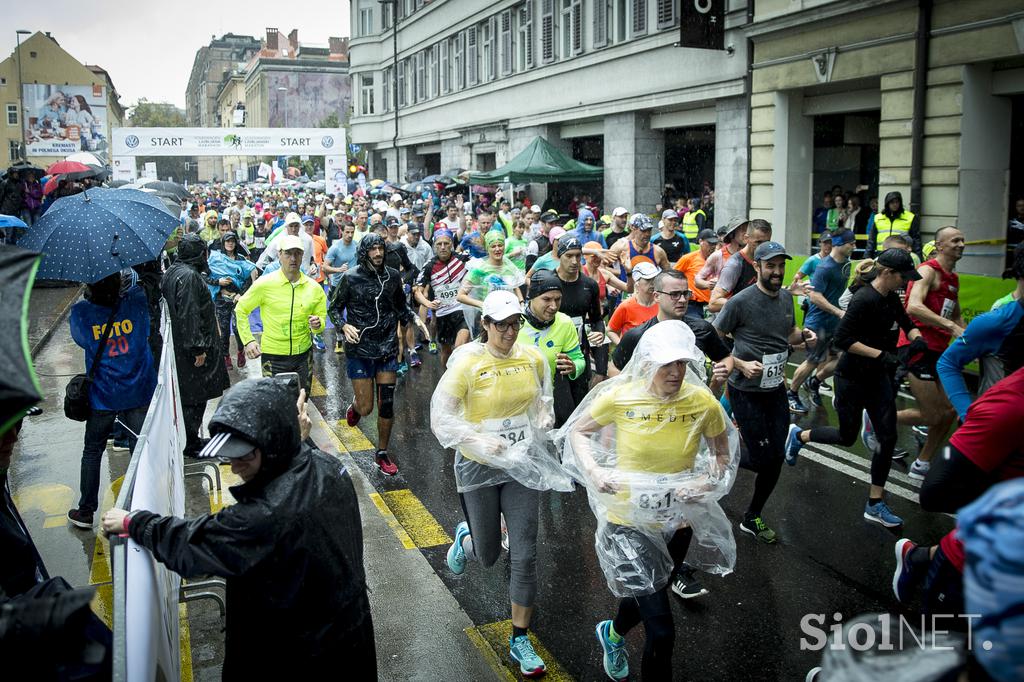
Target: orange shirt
[
  {"x": 690, "y": 264},
  {"x": 631, "y": 314},
  {"x": 319, "y": 251}
]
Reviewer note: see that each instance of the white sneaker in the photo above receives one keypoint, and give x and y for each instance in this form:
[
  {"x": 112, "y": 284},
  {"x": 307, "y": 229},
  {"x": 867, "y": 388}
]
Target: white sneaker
[{"x": 919, "y": 469}]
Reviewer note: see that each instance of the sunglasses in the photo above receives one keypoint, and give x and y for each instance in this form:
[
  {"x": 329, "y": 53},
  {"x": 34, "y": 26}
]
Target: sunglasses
[{"x": 674, "y": 295}]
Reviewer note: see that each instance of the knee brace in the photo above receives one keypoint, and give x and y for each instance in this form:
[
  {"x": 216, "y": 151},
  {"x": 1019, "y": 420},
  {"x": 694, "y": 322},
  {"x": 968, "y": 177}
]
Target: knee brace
[{"x": 386, "y": 401}]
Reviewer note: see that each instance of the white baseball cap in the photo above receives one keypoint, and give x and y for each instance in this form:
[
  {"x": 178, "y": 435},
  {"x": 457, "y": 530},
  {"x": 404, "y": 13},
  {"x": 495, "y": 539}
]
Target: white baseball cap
[
  {"x": 645, "y": 270},
  {"x": 501, "y": 305},
  {"x": 535, "y": 208},
  {"x": 292, "y": 218},
  {"x": 396, "y": 197},
  {"x": 287, "y": 242},
  {"x": 619, "y": 210}
]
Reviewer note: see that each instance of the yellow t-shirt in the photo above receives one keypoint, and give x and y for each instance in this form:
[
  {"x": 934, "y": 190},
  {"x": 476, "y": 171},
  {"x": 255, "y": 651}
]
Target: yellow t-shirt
[
  {"x": 494, "y": 388},
  {"x": 654, "y": 435}
]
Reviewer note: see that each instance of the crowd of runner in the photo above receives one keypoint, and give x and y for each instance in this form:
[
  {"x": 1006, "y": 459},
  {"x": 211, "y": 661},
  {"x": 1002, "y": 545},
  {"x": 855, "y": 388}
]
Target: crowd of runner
[{"x": 559, "y": 371}]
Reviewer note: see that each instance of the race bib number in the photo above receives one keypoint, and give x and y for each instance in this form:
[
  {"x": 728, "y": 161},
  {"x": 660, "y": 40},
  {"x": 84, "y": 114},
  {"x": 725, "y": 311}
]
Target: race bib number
[
  {"x": 773, "y": 369},
  {"x": 578, "y": 323},
  {"x": 445, "y": 294},
  {"x": 515, "y": 430},
  {"x": 652, "y": 503},
  {"x": 260, "y": 242},
  {"x": 948, "y": 306}
]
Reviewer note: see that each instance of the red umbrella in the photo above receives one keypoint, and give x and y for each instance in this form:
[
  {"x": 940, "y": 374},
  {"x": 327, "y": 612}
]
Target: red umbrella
[
  {"x": 64, "y": 167},
  {"x": 51, "y": 184}
]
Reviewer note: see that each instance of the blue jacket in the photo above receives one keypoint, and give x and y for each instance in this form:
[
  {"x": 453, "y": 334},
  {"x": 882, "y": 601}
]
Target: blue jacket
[{"x": 126, "y": 376}]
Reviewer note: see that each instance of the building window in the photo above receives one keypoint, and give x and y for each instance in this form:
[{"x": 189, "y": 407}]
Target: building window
[
  {"x": 421, "y": 77},
  {"x": 403, "y": 97},
  {"x": 602, "y": 10},
  {"x": 12, "y": 114},
  {"x": 622, "y": 17},
  {"x": 459, "y": 61},
  {"x": 446, "y": 73},
  {"x": 432, "y": 71},
  {"x": 571, "y": 25},
  {"x": 366, "y": 21},
  {"x": 388, "y": 85},
  {"x": 13, "y": 150},
  {"x": 387, "y": 15},
  {"x": 490, "y": 52},
  {"x": 525, "y": 55},
  {"x": 506, "y": 42},
  {"x": 366, "y": 94},
  {"x": 639, "y": 18},
  {"x": 472, "y": 57},
  {"x": 667, "y": 13},
  {"x": 547, "y": 31}
]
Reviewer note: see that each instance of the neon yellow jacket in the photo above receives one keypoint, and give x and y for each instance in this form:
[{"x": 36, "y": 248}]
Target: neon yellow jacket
[{"x": 285, "y": 310}]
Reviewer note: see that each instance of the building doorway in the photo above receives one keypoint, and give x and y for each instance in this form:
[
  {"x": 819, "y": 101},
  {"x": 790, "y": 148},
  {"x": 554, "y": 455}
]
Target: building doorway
[
  {"x": 589, "y": 149},
  {"x": 689, "y": 162},
  {"x": 1015, "y": 213}
]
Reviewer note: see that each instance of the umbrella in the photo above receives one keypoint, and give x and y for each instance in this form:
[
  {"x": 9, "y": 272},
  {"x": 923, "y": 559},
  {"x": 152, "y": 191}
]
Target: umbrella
[
  {"x": 87, "y": 158},
  {"x": 170, "y": 188},
  {"x": 438, "y": 179},
  {"x": 117, "y": 183},
  {"x": 52, "y": 184},
  {"x": 10, "y": 221},
  {"x": 65, "y": 167},
  {"x": 376, "y": 182},
  {"x": 98, "y": 232},
  {"x": 23, "y": 166},
  {"x": 19, "y": 387}
]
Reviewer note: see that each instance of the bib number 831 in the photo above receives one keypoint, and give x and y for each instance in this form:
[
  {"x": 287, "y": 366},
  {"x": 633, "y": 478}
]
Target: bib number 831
[{"x": 654, "y": 501}]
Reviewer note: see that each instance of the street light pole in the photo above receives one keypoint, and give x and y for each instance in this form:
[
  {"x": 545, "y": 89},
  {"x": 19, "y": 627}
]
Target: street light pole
[{"x": 21, "y": 93}]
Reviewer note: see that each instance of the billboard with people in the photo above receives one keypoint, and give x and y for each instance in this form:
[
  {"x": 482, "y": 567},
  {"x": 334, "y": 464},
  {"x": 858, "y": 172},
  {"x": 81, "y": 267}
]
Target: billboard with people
[{"x": 64, "y": 119}]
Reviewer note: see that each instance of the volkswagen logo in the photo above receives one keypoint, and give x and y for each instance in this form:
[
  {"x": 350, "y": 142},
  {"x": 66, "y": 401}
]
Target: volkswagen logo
[
  {"x": 327, "y": 141},
  {"x": 506, "y": 423},
  {"x": 132, "y": 141}
]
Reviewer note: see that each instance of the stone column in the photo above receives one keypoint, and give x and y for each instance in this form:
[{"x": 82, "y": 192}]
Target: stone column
[
  {"x": 634, "y": 162},
  {"x": 731, "y": 159},
  {"x": 793, "y": 170}
]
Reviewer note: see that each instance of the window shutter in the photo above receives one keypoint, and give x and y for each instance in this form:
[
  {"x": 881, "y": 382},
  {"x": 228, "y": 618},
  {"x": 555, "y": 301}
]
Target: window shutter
[
  {"x": 600, "y": 23},
  {"x": 445, "y": 74},
  {"x": 547, "y": 31},
  {"x": 577, "y": 27},
  {"x": 666, "y": 13},
  {"x": 471, "y": 56},
  {"x": 639, "y": 17},
  {"x": 506, "y": 42}
]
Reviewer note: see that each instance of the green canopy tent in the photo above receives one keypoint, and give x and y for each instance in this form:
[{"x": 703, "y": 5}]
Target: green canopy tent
[{"x": 539, "y": 162}]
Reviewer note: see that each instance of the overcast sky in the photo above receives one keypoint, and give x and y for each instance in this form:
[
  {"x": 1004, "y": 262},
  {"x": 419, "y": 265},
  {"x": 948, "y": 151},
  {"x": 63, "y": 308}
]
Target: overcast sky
[{"x": 148, "y": 47}]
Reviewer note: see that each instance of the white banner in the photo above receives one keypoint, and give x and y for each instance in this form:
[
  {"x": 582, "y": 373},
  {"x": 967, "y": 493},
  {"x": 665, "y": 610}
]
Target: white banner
[
  {"x": 151, "y": 595},
  {"x": 124, "y": 168},
  {"x": 228, "y": 141},
  {"x": 149, "y": 171},
  {"x": 336, "y": 175}
]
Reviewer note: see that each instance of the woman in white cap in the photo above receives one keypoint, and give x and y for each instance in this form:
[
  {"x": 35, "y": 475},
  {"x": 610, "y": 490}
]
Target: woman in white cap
[
  {"x": 656, "y": 452},
  {"x": 494, "y": 406}
]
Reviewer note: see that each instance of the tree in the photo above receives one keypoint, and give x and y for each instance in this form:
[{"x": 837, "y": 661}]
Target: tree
[{"x": 146, "y": 114}]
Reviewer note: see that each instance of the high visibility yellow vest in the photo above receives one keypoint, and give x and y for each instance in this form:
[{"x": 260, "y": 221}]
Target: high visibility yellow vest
[
  {"x": 887, "y": 228},
  {"x": 690, "y": 228}
]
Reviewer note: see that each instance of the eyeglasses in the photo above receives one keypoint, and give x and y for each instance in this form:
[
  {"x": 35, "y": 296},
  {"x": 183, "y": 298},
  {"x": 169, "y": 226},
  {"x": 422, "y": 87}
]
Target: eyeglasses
[
  {"x": 674, "y": 295},
  {"x": 244, "y": 458},
  {"x": 514, "y": 325}
]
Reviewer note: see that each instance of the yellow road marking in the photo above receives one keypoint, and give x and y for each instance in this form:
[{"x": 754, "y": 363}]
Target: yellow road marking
[
  {"x": 351, "y": 437},
  {"x": 393, "y": 523},
  {"x": 223, "y": 498},
  {"x": 185, "y": 637},
  {"x": 317, "y": 390},
  {"x": 99, "y": 572},
  {"x": 53, "y": 500},
  {"x": 419, "y": 523},
  {"x": 492, "y": 641}
]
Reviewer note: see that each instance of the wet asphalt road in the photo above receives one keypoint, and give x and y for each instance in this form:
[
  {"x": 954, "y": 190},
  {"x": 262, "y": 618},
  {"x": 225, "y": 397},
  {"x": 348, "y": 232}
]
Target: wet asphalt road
[{"x": 828, "y": 560}]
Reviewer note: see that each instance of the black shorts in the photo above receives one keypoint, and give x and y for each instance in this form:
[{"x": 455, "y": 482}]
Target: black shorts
[
  {"x": 763, "y": 421},
  {"x": 448, "y": 327},
  {"x": 921, "y": 365},
  {"x": 272, "y": 365}
]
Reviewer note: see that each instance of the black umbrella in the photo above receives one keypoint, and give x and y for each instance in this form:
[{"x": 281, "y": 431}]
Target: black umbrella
[
  {"x": 25, "y": 166},
  {"x": 19, "y": 387},
  {"x": 171, "y": 188},
  {"x": 117, "y": 183}
]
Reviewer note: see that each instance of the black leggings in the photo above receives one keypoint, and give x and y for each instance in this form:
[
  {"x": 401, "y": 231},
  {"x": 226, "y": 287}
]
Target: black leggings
[
  {"x": 763, "y": 421},
  {"x": 655, "y": 612},
  {"x": 875, "y": 393}
]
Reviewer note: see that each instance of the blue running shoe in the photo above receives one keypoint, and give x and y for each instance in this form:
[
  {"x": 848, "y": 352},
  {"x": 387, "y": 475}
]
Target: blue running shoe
[
  {"x": 881, "y": 514},
  {"x": 521, "y": 650},
  {"x": 615, "y": 659},
  {"x": 403, "y": 368},
  {"x": 793, "y": 444},
  {"x": 796, "y": 406},
  {"x": 318, "y": 342},
  {"x": 432, "y": 347},
  {"x": 903, "y": 578},
  {"x": 457, "y": 555}
]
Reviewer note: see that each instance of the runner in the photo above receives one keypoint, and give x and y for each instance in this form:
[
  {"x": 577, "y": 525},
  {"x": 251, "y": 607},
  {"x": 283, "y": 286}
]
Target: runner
[
  {"x": 437, "y": 288},
  {"x": 292, "y": 307},
  {"x": 292, "y": 226},
  {"x": 934, "y": 306},
  {"x": 484, "y": 275},
  {"x": 670, "y": 238},
  {"x": 367, "y": 306},
  {"x": 553, "y": 333},
  {"x": 639, "y": 308},
  {"x": 733, "y": 237},
  {"x": 823, "y": 316},
  {"x": 760, "y": 320},
  {"x": 692, "y": 263},
  {"x": 740, "y": 273},
  {"x": 493, "y": 405},
  {"x": 637, "y": 248},
  {"x": 419, "y": 252},
  {"x": 617, "y": 230},
  {"x": 582, "y": 303},
  {"x": 866, "y": 375},
  {"x": 656, "y": 453}
]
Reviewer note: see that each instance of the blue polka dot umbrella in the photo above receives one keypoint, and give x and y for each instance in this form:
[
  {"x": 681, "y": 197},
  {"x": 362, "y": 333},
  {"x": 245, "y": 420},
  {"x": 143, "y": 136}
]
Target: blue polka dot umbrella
[{"x": 87, "y": 236}]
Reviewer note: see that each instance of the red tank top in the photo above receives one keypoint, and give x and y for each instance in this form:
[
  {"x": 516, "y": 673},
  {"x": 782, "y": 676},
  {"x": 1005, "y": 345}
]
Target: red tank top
[{"x": 942, "y": 300}]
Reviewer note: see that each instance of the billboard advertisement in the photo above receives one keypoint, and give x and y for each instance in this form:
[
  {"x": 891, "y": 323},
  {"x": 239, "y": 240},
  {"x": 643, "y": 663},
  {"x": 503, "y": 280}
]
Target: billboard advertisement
[{"x": 64, "y": 119}]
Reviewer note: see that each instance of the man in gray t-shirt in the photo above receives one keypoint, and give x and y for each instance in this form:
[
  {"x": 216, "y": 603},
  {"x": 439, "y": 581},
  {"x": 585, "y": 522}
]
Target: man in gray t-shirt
[{"x": 760, "y": 320}]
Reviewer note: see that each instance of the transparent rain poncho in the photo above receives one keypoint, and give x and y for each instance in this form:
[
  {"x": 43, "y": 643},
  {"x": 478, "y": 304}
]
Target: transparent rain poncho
[
  {"x": 496, "y": 411},
  {"x": 653, "y": 465}
]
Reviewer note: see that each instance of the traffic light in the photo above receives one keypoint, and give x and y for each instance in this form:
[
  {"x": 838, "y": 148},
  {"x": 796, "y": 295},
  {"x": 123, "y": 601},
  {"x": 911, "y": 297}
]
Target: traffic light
[{"x": 353, "y": 170}]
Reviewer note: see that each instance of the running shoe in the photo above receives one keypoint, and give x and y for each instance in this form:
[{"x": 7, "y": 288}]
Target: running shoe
[
  {"x": 796, "y": 406},
  {"x": 384, "y": 462},
  {"x": 456, "y": 555},
  {"x": 80, "y": 519},
  {"x": 240, "y": 359},
  {"x": 351, "y": 416},
  {"x": 921, "y": 431},
  {"x": 432, "y": 348},
  {"x": 919, "y": 469},
  {"x": 614, "y": 656},
  {"x": 813, "y": 388},
  {"x": 899, "y": 453},
  {"x": 227, "y": 362},
  {"x": 403, "y": 368},
  {"x": 867, "y": 433},
  {"x": 318, "y": 342},
  {"x": 414, "y": 359},
  {"x": 685, "y": 583},
  {"x": 793, "y": 444},
  {"x": 339, "y": 347},
  {"x": 903, "y": 578},
  {"x": 759, "y": 529},
  {"x": 880, "y": 513},
  {"x": 418, "y": 346},
  {"x": 521, "y": 650},
  {"x": 119, "y": 446}
]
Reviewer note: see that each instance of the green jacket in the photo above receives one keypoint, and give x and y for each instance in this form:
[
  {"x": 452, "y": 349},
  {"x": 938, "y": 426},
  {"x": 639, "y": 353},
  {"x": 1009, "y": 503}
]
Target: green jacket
[
  {"x": 285, "y": 310},
  {"x": 560, "y": 337}
]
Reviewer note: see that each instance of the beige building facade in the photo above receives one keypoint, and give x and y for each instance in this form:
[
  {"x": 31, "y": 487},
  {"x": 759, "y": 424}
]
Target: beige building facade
[{"x": 833, "y": 102}]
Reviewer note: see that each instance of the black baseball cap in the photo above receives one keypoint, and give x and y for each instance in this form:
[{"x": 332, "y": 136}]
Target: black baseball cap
[
  {"x": 770, "y": 250},
  {"x": 568, "y": 242},
  {"x": 226, "y": 444},
  {"x": 708, "y": 236},
  {"x": 900, "y": 261}
]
